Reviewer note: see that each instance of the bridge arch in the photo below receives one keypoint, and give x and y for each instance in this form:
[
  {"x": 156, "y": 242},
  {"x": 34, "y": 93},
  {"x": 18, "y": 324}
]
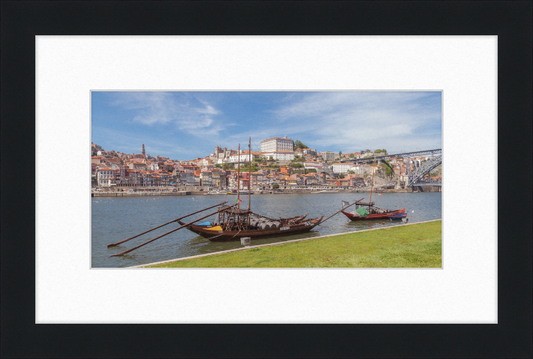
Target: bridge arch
[{"x": 418, "y": 174}]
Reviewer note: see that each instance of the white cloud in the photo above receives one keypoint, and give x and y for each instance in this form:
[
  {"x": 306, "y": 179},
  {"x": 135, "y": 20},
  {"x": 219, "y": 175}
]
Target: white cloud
[
  {"x": 184, "y": 111},
  {"x": 209, "y": 110},
  {"x": 356, "y": 120}
]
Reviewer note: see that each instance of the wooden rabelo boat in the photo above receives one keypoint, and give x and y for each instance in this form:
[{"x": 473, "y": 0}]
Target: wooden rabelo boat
[
  {"x": 234, "y": 223},
  {"x": 367, "y": 211}
]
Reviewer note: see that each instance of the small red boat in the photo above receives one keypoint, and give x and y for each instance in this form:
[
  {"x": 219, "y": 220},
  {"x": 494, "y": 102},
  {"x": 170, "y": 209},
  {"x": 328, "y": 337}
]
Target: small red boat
[
  {"x": 375, "y": 213},
  {"x": 365, "y": 211}
]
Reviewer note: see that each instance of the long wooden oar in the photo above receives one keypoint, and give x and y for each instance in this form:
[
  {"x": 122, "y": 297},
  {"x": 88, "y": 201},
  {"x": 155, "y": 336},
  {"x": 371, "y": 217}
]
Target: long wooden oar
[
  {"x": 342, "y": 209},
  {"x": 164, "y": 234},
  {"x": 174, "y": 220}
]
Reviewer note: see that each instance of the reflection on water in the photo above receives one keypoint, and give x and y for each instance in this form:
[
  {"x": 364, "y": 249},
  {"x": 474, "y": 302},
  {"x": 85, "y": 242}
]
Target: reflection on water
[{"x": 114, "y": 219}]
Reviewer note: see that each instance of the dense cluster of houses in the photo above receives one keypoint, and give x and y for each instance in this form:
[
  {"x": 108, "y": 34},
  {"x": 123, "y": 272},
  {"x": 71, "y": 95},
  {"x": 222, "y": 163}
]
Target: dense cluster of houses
[{"x": 277, "y": 163}]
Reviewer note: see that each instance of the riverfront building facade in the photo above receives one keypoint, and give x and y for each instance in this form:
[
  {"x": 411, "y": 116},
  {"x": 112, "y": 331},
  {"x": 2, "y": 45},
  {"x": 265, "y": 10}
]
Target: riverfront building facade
[{"x": 113, "y": 170}]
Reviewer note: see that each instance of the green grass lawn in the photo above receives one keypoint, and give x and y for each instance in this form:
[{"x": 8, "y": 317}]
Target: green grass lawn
[{"x": 403, "y": 246}]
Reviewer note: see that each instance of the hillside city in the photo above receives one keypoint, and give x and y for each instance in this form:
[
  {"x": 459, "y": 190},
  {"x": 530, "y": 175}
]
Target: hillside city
[{"x": 280, "y": 163}]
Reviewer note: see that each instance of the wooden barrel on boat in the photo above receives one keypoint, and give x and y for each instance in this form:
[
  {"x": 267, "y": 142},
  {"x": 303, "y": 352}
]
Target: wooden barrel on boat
[
  {"x": 275, "y": 224},
  {"x": 265, "y": 225}
]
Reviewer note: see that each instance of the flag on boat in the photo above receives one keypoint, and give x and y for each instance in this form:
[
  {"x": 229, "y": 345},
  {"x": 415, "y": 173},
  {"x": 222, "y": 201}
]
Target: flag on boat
[
  {"x": 345, "y": 203},
  {"x": 238, "y": 200}
]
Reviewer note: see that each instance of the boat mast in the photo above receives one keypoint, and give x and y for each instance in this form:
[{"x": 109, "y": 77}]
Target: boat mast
[
  {"x": 249, "y": 169},
  {"x": 238, "y": 175},
  {"x": 372, "y": 184}
]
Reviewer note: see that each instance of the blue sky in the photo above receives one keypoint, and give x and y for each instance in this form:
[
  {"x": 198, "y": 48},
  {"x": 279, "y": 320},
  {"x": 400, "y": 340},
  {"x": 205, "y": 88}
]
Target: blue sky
[{"x": 186, "y": 125}]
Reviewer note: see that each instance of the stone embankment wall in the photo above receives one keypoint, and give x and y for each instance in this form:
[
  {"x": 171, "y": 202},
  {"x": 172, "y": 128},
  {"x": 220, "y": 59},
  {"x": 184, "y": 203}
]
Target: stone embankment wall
[
  {"x": 197, "y": 190},
  {"x": 139, "y": 194},
  {"x": 148, "y": 191},
  {"x": 426, "y": 189}
]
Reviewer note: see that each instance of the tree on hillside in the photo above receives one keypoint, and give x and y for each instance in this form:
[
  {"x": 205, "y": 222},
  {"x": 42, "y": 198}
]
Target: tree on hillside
[
  {"x": 227, "y": 166},
  {"x": 245, "y": 167},
  {"x": 299, "y": 144},
  {"x": 385, "y": 165}
]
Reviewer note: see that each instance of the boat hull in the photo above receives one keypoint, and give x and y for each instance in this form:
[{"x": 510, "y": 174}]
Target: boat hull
[
  {"x": 207, "y": 231},
  {"x": 387, "y": 215},
  {"x": 398, "y": 216}
]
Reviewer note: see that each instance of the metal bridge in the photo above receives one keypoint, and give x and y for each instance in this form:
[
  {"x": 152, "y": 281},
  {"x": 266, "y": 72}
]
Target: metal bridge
[{"x": 415, "y": 178}]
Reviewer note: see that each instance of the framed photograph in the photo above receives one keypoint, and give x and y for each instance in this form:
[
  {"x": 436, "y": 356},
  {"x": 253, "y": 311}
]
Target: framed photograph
[
  {"x": 51, "y": 286},
  {"x": 196, "y": 190}
]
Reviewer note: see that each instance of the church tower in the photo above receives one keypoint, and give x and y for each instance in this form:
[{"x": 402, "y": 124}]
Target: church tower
[{"x": 142, "y": 151}]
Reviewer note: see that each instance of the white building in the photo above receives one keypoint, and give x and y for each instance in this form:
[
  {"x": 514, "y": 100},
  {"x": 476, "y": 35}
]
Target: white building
[
  {"x": 244, "y": 156},
  {"x": 104, "y": 176},
  {"x": 277, "y": 144},
  {"x": 316, "y": 165},
  {"x": 279, "y": 155},
  {"x": 279, "y": 149},
  {"x": 342, "y": 167},
  {"x": 204, "y": 162}
]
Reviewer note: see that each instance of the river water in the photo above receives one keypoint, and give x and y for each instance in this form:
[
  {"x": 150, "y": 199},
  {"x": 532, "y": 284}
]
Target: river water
[{"x": 117, "y": 218}]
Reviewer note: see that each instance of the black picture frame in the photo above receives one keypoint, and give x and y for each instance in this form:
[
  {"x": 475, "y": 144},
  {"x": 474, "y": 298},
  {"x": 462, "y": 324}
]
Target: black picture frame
[{"x": 509, "y": 20}]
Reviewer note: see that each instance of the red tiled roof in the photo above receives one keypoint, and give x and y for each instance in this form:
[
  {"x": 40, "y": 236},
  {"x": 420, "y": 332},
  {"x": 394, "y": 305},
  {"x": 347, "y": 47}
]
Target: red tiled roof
[{"x": 268, "y": 139}]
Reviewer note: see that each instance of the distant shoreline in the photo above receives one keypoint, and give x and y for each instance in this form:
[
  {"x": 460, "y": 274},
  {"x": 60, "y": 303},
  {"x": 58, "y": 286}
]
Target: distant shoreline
[{"x": 264, "y": 192}]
